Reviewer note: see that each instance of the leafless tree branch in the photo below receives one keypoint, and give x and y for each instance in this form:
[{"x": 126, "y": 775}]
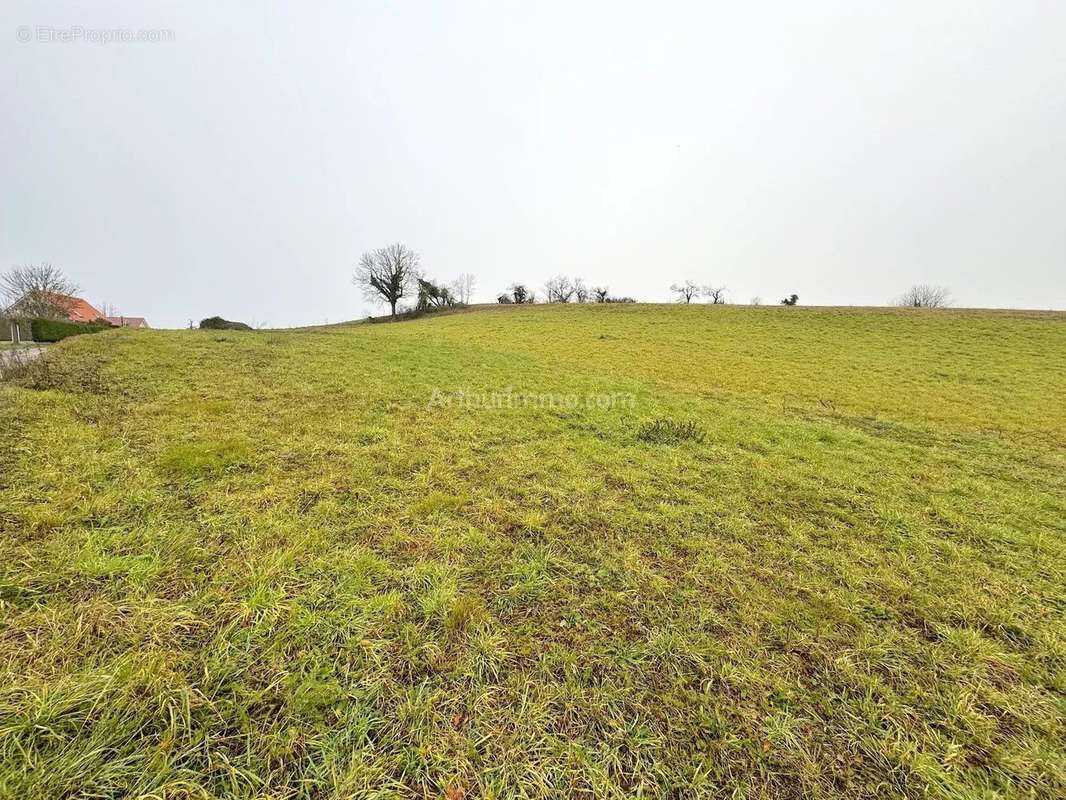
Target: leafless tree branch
[
  {"x": 37, "y": 290},
  {"x": 925, "y": 296},
  {"x": 716, "y": 294},
  {"x": 686, "y": 291},
  {"x": 559, "y": 289},
  {"x": 463, "y": 288}
]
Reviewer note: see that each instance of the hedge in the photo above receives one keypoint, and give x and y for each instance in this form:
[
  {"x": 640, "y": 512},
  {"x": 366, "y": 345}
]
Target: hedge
[{"x": 55, "y": 330}]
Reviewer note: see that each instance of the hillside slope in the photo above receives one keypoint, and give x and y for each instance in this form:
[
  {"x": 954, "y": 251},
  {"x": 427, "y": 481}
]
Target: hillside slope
[{"x": 455, "y": 556}]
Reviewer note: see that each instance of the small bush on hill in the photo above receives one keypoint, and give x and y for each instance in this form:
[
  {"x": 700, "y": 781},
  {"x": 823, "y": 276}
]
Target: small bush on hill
[{"x": 219, "y": 324}]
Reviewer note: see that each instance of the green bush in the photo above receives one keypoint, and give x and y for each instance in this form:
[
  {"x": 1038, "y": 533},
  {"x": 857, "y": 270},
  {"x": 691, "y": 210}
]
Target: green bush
[
  {"x": 55, "y": 330},
  {"x": 219, "y": 324}
]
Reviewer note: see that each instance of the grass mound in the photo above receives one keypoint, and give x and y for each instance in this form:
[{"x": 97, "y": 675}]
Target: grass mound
[{"x": 436, "y": 559}]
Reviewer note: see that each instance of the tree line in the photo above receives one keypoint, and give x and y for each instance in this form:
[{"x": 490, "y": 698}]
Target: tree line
[{"x": 392, "y": 274}]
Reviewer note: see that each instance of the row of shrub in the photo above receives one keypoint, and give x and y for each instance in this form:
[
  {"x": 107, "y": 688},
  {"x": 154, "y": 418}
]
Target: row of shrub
[{"x": 55, "y": 330}]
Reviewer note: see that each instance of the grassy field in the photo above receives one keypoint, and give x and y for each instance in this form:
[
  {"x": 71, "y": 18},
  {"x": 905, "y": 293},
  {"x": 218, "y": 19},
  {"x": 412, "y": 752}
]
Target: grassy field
[{"x": 452, "y": 558}]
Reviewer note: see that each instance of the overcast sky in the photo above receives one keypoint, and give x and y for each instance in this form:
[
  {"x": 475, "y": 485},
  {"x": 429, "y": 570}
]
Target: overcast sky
[{"x": 839, "y": 150}]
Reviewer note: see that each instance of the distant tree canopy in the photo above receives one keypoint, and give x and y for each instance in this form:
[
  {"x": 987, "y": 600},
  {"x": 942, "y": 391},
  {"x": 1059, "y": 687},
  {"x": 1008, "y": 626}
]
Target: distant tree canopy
[
  {"x": 431, "y": 296},
  {"x": 791, "y": 300},
  {"x": 925, "y": 296},
  {"x": 388, "y": 274},
  {"x": 519, "y": 293}
]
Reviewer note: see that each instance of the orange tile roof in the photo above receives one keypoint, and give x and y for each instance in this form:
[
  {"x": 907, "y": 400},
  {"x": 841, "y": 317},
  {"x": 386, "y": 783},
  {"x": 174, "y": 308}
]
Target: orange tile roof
[{"x": 79, "y": 310}]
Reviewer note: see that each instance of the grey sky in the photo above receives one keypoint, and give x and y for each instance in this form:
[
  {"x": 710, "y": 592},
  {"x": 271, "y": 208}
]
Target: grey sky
[{"x": 840, "y": 150}]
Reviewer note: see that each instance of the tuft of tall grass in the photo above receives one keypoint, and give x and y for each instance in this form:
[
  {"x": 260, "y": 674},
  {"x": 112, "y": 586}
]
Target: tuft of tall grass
[{"x": 667, "y": 431}]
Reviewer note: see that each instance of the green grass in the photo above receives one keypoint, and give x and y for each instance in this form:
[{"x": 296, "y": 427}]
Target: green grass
[{"x": 457, "y": 556}]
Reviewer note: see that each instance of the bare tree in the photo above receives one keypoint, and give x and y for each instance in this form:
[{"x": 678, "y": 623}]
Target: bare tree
[
  {"x": 601, "y": 293},
  {"x": 519, "y": 293},
  {"x": 38, "y": 290},
  {"x": 387, "y": 274},
  {"x": 755, "y": 301},
  {"x": 463, "y": 288},
  {"x": 925, "y": 296},
  {"x": 686, "y": 291},
  {"x": 716, "y": 294},
  {"x": 581, "y": 291},
  {"x": 559, "y": 289}
]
